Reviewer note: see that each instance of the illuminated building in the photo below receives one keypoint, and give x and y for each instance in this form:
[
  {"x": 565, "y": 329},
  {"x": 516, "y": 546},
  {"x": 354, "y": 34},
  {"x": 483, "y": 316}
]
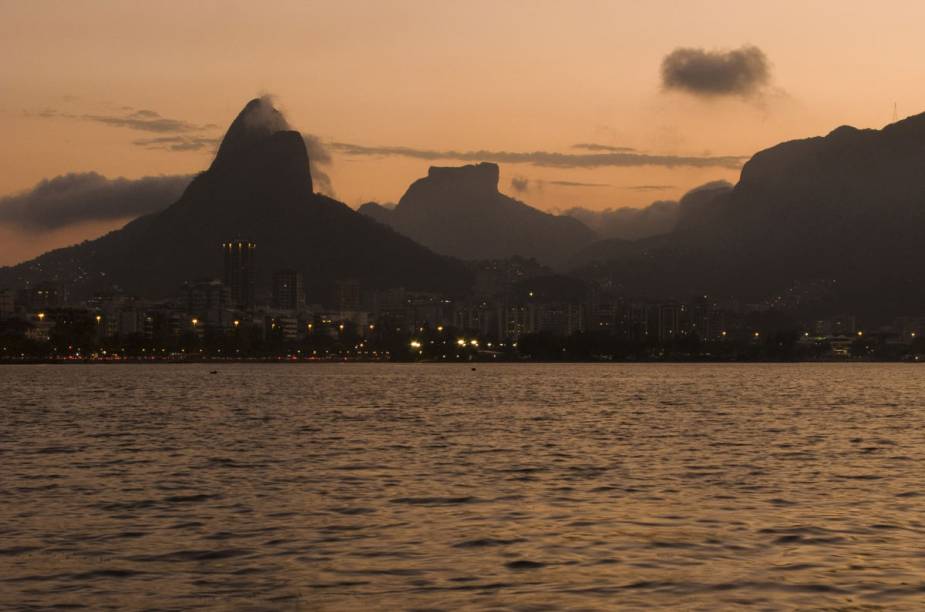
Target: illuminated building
[{"x": 241, "y": 271}]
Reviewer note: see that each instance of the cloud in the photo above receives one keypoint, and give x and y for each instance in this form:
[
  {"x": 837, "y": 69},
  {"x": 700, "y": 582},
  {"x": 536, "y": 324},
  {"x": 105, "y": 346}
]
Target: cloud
[
  {"x": 660, "y": 217},
  {"x": 176, "y": 135},
  {"x": 649, "y": 187},
  {"x": 265, "y": 117},
  {"x": 575, "y": 184},
  {"x": 736, "y": 72},
  {"x": 142, "y": 120},
  {"x": 75, "y": 198},
  {"x": 591, "y": 146},
  {"x": 522, "y": 184},
  {"x": 545, "y": 158},
  {"x": 177, "y": 143},
  {"x": 146, "y": 121},
  {"x": 629, "y": 223},
  {"x": 318, "y": 156}
]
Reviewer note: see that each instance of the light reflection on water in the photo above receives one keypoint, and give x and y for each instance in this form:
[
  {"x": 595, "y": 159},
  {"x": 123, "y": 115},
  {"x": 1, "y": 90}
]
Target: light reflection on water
[{"x": 430, "y": 486}]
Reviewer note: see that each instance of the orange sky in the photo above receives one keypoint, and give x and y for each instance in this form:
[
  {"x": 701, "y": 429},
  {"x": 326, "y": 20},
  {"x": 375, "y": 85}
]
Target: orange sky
[{"x": 516, "y": 76}]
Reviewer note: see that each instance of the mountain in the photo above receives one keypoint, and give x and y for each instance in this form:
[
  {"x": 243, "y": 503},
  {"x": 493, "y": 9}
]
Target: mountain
[
  {"x": 628, "y": 223},
  {"x": 845, "y": 211},
  {"x": 659, "y": 217},
  {"x": 460, "y": 212},
  {"x": 258, "y": 187}
]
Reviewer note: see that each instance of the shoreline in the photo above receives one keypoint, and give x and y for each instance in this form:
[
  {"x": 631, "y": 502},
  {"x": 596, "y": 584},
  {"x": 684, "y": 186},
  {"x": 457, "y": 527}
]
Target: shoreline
[{"x": 289, "y": 361}]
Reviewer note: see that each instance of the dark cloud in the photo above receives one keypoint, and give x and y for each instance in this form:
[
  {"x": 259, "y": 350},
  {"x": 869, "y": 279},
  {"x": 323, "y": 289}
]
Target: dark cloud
[
  {"x": 544, "y": 158},
  {"x": 737, "y": 72},
  {"x": 76, "y": 198},
  {"x": 520, "y": 184},
  {"x": 660, "y": 217}
]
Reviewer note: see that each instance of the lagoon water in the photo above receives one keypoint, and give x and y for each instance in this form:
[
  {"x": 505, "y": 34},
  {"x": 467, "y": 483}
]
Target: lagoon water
[{"x": 526, "y": 487}]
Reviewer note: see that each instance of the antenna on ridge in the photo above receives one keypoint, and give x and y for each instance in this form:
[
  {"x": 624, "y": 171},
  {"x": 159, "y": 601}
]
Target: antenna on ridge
[{"x": 895, "y": 116}]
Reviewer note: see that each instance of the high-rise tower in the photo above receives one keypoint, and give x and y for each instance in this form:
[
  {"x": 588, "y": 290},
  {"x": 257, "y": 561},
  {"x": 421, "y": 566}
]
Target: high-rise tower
[
  {"x": 288, "y": 290},
  {"x": 241, "y": 271}
]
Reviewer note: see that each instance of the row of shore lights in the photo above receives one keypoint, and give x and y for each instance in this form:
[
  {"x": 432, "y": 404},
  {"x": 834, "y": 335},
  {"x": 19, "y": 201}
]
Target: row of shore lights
[{"x": 414, "y": 343}]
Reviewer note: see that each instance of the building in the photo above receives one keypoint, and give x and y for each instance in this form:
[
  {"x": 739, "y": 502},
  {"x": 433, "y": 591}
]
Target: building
[
  {"x": 559, "y": 318},
  {"x": 669, "y": 321},
  {"x": 7, "y": 303},
  {"x": 43, "y": 296},
  {"x": 347, "y": 296},
  {"x": 241, "y": 272},
  {"x": 288, "y": 290},
  {"x": 283, "y": 327},
  {"x": 209, "y": 301},
  {"x": 515, "y": 321}
]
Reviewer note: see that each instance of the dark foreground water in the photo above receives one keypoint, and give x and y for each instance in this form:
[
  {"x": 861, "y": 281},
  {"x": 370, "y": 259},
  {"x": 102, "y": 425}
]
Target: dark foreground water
[{"x": 382, "y": 487}]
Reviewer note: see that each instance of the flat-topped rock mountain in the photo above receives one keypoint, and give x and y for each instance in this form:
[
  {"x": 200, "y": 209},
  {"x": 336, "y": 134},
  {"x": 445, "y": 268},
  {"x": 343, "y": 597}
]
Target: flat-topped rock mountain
[{"x": 459, "y": 211}]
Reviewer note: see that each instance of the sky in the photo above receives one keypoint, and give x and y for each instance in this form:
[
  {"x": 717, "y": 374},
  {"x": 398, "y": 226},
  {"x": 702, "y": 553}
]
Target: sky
[{"x": 598, "y": 104}]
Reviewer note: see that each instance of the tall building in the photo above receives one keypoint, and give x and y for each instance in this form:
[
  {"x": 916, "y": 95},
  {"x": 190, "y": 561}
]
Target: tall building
[
  {"x": 44, "y": 295},
  {"x": 288, "y": 290},
  {"x": 241, "y": 271},
  {"x": 203, "y": 298},
  {"x": 348, "y": 295},
  {"x": 7, "y": 303}
]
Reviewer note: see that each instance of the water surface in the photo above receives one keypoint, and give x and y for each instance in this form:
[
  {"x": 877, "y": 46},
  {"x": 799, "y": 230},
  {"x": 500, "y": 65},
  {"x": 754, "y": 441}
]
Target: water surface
[{"x": 339, "y": 487}]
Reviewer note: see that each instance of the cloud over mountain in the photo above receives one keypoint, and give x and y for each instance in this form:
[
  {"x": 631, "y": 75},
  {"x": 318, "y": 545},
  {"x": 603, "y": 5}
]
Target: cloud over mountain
[
  {"x": 522, "y": 184},
  {"x": 619, "y": 158},
  {"x": 75, "y": 198},
  {"x": 180, "y": 136},
  {"x": 735, "y": 72},
  {"x": 319, "y": 157},
  {"x": 146, "y": 121},
  {"x": 659, "y": 217}
]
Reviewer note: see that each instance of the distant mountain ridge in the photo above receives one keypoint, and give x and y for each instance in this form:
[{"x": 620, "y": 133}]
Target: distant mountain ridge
[
  {"x": 847, "y": 208},
  {"x": 258, "y": 187},
  {"x": 460, "y": 212}
]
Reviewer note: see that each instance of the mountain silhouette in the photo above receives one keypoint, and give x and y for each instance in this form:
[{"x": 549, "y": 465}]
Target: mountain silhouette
[
  {"x": 846, "y": 210},
  {"x": 258, "y": 187},
  {"x": 460, "y": 212}
]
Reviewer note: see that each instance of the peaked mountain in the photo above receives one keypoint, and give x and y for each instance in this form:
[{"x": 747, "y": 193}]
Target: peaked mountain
[
  {"x": 845, "y": 211},
  {"x": 258, "y": 187},
  {"x": 460, "y": 212}
]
